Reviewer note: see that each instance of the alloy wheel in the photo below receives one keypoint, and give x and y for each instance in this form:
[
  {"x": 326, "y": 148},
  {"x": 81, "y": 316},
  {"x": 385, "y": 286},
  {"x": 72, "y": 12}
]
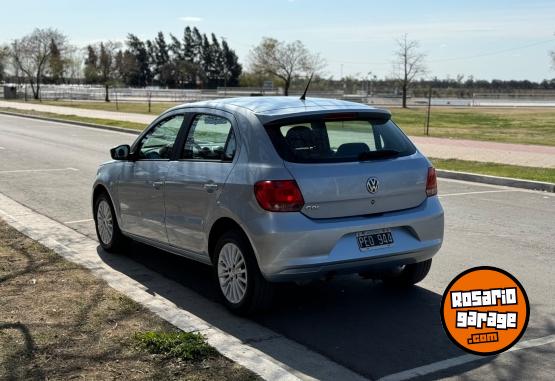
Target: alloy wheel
[
  {"x": 232, "y": 273},
  {"x": 104, "y": 222}
]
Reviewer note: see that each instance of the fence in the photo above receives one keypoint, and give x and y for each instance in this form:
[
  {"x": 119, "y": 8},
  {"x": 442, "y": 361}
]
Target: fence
[{"x": 544, "y": 98}]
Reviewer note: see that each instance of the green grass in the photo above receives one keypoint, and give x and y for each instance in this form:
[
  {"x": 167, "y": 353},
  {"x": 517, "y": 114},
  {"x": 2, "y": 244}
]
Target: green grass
[
  {"x": 511, "y": 125},
  {"x": 494, "y": 169},
  {"x": 75, "y": 118},
  {"x": 182, "y": 345}
]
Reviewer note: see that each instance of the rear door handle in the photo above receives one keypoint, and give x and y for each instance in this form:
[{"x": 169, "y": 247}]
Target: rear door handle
[
  {"x": 157, "y": 184},
  {"x": 210, "y": 187}
]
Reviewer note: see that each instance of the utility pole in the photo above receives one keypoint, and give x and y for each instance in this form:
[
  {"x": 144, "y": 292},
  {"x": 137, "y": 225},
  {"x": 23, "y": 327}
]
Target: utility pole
[{"x": 428, "y": 114}]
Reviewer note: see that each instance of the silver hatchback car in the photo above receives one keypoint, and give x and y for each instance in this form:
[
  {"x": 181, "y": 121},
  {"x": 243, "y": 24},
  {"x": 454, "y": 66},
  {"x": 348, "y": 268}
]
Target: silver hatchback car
[{"x": 273, "y": 189}]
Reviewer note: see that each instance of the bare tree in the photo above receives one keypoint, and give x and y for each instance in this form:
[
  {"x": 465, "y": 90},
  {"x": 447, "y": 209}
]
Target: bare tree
[
  {"x": 408, "y": 64},
  {"x": 284, "y": 60},
  {"x": 553, "y": 59},
  {"x": 31, "y": 55}
]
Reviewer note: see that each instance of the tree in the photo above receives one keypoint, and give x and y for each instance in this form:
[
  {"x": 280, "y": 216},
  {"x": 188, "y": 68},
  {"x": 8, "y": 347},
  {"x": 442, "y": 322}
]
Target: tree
[
  {"x": 4, "y": 54},
  {"x": 91, "y": 65},
  {"x": 126, "y": 65},
  {"x": 408, "y": 64},
  {"x": 107, "y": 69},
  {"x": 206, "y": 60},
  {"x": 553, "y": 59},
  {"x": 162, "y": 67},
  {"x": 284, "y": 60},
  {"x": 232, "y": 67},
  {"x": 185, "y": 70},
  {"x": 31, "y": 55},
  {"x": 141, "y": 76},
  {"x": 103, "y": 64},
  {"x": 56, "y": 63}
]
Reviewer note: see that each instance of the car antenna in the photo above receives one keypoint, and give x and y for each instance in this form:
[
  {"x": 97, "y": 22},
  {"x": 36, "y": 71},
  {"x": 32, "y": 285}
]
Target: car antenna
[{"x": 303, "y": 97}]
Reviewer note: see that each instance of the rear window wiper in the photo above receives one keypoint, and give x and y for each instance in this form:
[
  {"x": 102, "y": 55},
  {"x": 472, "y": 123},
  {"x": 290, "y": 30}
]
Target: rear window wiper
[{"x": 380, "y": 154}]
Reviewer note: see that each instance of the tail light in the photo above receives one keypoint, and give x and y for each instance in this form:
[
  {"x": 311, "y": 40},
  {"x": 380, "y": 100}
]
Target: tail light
[
  {"x": 431, "y": 182},
  {"x": 279, "y": 195}
]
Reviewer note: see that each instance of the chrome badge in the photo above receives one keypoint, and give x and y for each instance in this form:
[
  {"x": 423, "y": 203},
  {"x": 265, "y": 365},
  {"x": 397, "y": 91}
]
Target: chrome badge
[{"x": 372, "y": 185}]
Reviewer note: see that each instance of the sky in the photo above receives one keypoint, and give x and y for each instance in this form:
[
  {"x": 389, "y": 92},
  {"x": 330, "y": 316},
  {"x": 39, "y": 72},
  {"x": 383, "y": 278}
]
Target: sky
[{"x": 484, "y": 39}]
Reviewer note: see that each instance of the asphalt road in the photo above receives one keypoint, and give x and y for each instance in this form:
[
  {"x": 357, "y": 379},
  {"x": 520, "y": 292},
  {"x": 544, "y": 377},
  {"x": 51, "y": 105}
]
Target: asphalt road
[{"x": 376, "y": 332}]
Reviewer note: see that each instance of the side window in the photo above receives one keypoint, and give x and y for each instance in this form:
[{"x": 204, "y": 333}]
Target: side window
[
  {"x": 210, "y": 137},
  {"x": 157, "y": 144}
]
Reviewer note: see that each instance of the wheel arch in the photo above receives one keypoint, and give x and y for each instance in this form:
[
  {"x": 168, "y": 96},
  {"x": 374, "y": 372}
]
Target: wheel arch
[
  {"x": 219, "y": 227},
  {"x": 99, "y": 189}
]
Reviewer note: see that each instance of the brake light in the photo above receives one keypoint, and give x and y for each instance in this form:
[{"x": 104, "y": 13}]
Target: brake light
[
  {"x": 341, "y": 116},
  {"x": 431, "y": 182},
  {"x": 279, "y": 195}
]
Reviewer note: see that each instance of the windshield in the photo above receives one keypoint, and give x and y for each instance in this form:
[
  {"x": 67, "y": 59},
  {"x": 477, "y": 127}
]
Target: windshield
[{"x": 318, "y": 140}]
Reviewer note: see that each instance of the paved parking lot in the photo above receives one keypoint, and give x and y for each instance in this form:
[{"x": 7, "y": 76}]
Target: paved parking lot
[{"x": 359, "y": 324}]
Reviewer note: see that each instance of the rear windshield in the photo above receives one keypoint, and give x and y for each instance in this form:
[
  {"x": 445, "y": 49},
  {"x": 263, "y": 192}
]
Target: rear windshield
[{"x": 320, "y": 140}]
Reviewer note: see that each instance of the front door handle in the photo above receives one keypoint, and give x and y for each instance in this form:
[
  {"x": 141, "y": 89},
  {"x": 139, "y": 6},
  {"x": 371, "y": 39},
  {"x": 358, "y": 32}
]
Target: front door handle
[
  {"x": 157, "y": 184},
  {"x": 210, "y": 187}
]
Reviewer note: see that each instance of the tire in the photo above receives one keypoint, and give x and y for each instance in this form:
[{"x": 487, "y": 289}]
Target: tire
[
  {"x": 408, "y": 275},
  {"x": 235, "y": 265},
  {"x": 108, "y": 232}
]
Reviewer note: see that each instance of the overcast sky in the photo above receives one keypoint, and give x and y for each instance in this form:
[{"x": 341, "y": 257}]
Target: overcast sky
[{"x": 487, "y": 39}]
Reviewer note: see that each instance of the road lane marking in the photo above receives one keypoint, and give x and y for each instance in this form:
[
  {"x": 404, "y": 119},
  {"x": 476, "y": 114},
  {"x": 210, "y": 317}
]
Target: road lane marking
[
  {"x": 78, "y": 221},
  {"x": 2, "y": 148},
  {"x": 460, "y": 360},
  {"x": 480, "y": 192},
  {"x": 268, "y": 354},
  {"x": 40, "y": 170}
]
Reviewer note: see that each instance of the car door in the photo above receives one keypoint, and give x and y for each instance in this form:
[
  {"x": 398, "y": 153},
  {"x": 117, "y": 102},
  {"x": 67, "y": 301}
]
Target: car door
[
  {"x": 141, "y": 184},
  {"x": 195, "y": 181}
]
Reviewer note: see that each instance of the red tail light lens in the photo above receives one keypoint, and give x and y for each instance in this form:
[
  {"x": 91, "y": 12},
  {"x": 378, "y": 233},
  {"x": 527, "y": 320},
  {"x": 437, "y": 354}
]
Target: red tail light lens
[
  {"x": 431, "y": 182},
  {"x": 279, "y": 195}
]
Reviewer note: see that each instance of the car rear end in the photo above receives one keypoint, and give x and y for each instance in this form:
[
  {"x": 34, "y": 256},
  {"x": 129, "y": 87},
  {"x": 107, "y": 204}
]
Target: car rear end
[{"x": 355, "y": 195}]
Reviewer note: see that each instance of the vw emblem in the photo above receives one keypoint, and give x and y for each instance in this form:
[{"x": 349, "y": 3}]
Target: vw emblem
[{"x": 372, "y": 185}]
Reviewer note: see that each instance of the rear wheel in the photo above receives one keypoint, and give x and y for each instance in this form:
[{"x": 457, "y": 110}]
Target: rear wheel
[
  {"x": 242, "y": 286},
  {"x": 107, "y": 230},
  {"x": 407, "y": 275}
]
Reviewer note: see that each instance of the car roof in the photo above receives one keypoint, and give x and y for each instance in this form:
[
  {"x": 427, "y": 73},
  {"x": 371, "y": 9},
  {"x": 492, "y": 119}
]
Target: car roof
[{"x": 275, "y": 106}]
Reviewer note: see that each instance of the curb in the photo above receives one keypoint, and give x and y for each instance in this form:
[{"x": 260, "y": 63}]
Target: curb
[
  {"x": 83, "y": 124},
  {"x": 465, "y": 176},
  {"x": 267, "y": 353},
  {"x": 496, "y": 180}
]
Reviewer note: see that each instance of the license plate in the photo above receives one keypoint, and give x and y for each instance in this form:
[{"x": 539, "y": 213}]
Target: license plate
[{"x": 370, "y": 239}]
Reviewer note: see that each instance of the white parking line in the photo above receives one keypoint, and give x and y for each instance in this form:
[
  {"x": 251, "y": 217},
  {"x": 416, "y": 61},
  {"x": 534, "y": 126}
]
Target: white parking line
[
  {"x": 78, "y": 221},
  {"x": 2, "y": 148},
  {"x": 460, "y": 360},
  {"x": 479, "y": 192},
  {"x": 40, "y": 170}
]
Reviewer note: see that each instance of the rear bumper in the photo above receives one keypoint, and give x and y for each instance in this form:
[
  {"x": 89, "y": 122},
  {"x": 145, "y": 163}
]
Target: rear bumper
[{"x": 291, "y": 246}]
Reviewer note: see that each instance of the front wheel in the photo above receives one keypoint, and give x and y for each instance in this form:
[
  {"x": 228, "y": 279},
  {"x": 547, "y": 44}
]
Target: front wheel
[
  {"x": 407, "y": 275},
  {"x": 107, "y": 230},
  {"x": 242, "y": 286}
]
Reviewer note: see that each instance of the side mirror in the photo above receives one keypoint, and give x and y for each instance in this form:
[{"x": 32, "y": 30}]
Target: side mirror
[{"x": 121, "y": 152}]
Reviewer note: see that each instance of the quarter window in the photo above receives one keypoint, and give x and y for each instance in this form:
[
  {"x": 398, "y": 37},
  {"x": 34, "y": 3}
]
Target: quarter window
[
  {"x": 210, "y": 137},
  {"x": 158, "y": 143}
]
